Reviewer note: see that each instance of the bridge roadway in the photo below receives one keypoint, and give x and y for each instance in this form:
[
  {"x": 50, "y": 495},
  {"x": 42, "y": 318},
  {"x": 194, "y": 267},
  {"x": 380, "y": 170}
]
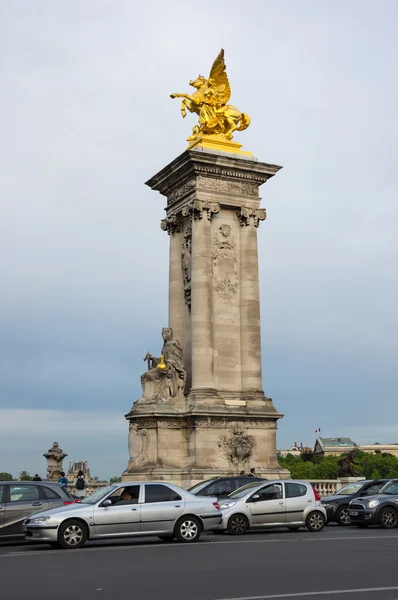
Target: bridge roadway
[{"x": 338, "y": 563}]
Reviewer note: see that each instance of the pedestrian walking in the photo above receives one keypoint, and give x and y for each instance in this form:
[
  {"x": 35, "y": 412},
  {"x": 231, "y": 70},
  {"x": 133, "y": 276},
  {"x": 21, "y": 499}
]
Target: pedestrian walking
[
  {"x": 80, "y": 485},
  {"x": 36, "y": 478},
  {"x": 62, "y": 479},
  {"x": 252, "y": 472},
  {"x": 241, "y": 473}
]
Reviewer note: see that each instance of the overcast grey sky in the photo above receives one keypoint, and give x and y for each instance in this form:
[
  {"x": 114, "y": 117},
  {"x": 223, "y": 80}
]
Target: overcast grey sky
[{"x": 86, "y": 119}]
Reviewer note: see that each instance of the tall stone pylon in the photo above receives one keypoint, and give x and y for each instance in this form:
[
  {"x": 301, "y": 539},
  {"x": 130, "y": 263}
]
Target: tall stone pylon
[{"x": 222, "y": 422}]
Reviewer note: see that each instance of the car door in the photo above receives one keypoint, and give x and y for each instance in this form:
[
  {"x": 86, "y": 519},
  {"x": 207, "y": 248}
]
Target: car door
[
  {"x": 267, "y": 505},
  {"x": 297, "y": 498},
  {"x": 121, "y": 518},
  {"x": 161, "y": 508},
  {"x": 2, "y": 507},
  {"x": 23, "y": 500}
]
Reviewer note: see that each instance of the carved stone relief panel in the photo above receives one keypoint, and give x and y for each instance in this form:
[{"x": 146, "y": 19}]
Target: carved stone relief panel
[
  {"x": 237, "y": 446},
  {"x": 186, "y": 263},
  {"x": 225, "y": 265},
  {"x": 181, "y": 191},
  {"x": 225, "y": 186}
]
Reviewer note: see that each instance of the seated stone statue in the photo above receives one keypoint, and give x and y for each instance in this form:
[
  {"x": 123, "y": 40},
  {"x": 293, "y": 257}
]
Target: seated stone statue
[{"x": 166, "y": 375}]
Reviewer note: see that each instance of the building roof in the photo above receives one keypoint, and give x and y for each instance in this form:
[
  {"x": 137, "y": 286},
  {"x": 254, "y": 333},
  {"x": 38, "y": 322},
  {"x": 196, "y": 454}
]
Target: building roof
[{"x": 340, "y": 442}]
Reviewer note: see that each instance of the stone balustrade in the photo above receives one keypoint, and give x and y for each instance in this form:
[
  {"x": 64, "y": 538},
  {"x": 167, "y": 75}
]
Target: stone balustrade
[{"x": 328, "y": 487}]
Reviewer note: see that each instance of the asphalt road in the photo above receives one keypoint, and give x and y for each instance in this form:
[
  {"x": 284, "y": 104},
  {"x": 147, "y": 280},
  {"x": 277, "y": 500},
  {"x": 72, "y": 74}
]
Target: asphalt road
[{"x": 341, "y": 563}]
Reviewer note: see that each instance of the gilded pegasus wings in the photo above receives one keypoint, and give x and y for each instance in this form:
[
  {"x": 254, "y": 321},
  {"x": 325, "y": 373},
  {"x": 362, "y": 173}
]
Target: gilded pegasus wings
[{"x": 218, "y": 79}]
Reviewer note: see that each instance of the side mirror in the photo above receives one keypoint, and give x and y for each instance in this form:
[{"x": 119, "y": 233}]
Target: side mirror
[
  {"x": 107, "y": 502},
  {"x": 256, "y": 497}
]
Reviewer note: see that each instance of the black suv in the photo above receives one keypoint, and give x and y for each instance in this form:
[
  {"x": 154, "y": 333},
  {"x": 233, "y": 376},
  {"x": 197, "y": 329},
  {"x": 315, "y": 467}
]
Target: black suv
[
  {"x": 221, "y": 487},
  {"x": 380, "y": 509},
  {"x": 337, "y": 505},
  {"x": 19, "y": 499}
]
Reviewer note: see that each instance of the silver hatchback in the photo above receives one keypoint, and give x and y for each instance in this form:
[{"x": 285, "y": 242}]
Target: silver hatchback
[
  {"x": 291, "y": 504},
  {"x": 126, "y": 510}
]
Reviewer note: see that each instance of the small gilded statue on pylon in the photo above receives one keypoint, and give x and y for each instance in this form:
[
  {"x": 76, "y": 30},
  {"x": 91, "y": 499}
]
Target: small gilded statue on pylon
[{"x": 216, "y": 118}]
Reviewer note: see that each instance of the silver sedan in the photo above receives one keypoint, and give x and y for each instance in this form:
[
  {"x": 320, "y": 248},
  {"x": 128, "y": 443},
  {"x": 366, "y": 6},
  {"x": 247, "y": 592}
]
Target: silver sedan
[{"x": 126, "y": 510}]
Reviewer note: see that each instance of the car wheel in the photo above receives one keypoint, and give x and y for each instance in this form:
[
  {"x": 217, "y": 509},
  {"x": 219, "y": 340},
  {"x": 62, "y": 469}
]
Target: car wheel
[
  {"x": 166, "y": 538},
  {"x": 238, "y": 525},
  {"x": 72, "y": 534},
  {"x": 188, "y": 529},
  {"x": 388, "y": 518},
  {"x": 315, "y": 521},
  {"x": 342, "y": 516}
]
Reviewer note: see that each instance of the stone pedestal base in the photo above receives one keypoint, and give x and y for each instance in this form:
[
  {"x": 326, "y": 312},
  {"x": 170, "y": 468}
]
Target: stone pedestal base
[{"x": 185, "y": 448}]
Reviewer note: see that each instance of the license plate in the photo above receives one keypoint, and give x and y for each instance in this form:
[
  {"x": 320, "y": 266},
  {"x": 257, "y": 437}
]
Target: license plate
[{"x": 353, "y": 513}]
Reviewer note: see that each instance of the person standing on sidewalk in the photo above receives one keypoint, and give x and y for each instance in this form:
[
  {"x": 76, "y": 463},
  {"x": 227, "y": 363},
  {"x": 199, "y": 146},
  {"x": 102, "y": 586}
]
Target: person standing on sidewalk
[{"x": 80, "y": 485}]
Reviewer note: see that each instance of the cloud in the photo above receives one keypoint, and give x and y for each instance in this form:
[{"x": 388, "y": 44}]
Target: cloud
[
  {"x": 98, "y": 437},
  {"x": 86, "y": 119}
]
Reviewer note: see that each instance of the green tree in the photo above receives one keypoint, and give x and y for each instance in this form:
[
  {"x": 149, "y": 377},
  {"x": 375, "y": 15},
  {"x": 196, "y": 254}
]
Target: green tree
[
  {"x": 6, "y": 477},
  {"x": 26, "y": 478},
  {"x": 115, "y": 480}
]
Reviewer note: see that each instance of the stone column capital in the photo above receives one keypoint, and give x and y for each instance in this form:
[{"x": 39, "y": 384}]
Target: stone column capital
[
  {"x": 171, "y": 224},
  {"x": 248, "y": 216},
  {"x": 198, "y": 208}
]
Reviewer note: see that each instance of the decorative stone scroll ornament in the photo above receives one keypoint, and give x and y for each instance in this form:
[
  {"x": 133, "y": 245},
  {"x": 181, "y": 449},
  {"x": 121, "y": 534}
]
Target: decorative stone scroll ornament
[
  {"x": 186, "y": 263},
  {"x": 237, "y": 446},
  {"x": 166, "y": 375},
  {"x": 171, "y": 224},
  {"x": 198, "y": 208},
  {"x": 251, "y": 215},
  {"x": 136, "y": 442}
]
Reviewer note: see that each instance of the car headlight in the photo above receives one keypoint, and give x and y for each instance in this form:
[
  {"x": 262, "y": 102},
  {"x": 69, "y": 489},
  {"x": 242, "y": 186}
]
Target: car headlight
[
  {"x": 373, "y": 503},
  {"x": 39, "y": 520},
  {"x": 227, "y": 505}
]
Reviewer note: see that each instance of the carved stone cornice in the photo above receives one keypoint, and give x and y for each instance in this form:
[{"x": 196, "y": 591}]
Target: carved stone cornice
[
  {"x": 247, "y": 216},
  {"x": 198, "y": 208},
  {"x": 194, "y": 169},
  {"x": 171, "y": 224}
]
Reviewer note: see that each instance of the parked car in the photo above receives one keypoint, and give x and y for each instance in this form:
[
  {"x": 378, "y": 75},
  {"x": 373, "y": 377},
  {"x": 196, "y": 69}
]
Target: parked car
[
  {"x": 337, "y": 505},
  {"x": 222, "y": 487},
  {"x": 19, "y": 499},
  {"x": 380, "y": 509},
  {"x": 291, "y": 504},
  {"x": 126, "y": 510}
]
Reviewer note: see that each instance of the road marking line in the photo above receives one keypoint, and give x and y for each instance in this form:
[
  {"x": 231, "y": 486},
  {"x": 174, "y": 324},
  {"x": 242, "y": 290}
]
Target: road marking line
[
  {"x": 323, "y": 593},
  {"x": 198, "y": 545}
]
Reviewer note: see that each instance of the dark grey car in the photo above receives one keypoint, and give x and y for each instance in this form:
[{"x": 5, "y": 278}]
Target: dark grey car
[{"x": 19, "y": 499}]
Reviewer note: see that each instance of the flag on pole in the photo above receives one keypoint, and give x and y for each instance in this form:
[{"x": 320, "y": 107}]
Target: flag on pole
[{"x": 318, "y": 430}]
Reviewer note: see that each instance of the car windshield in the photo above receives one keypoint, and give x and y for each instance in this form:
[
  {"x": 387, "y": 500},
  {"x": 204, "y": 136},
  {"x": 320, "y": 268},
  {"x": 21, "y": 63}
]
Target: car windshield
[
  {"x": 199, "y": 486},
  {"x": 351, "y": 488},
  {"x": 241, "y": 492},
  {"x": 98, "y": 495},
  {"x": 390, "y": 488}
]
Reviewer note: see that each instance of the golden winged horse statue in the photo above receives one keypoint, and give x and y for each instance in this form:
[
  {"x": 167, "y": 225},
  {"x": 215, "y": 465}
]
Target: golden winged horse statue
[{"x": 216, "y": 118}]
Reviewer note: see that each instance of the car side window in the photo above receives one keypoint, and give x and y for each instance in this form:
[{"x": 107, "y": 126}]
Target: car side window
[
  {"x": 270, "y": 492},
  {"x": 125, "y": 495},
  {"x": 24, "y": 493},
  {"x": 2, "y": 493},
  {"x": 294, "y": 490},
  {"x": 50, "y": 493},
  {"x": 208, "y": 491},
  {"x": 160, "y": 493},
  {"x": 373, "y": 489}
]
